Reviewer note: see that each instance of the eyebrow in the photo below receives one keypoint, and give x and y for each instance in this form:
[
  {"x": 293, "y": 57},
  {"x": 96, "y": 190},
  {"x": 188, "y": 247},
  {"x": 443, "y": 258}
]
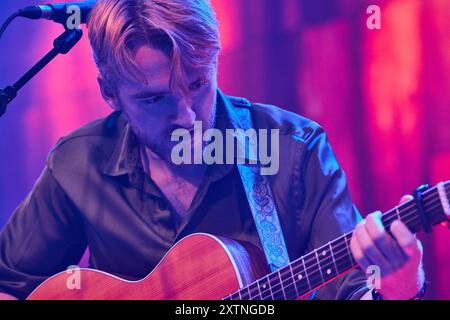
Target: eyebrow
[{"x": 149, "y": 94}]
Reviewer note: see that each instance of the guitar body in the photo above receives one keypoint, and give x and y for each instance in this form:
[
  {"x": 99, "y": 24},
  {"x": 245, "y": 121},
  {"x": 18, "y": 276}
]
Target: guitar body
[
  {"x": 199, "y": 267},
  {"x": 205, "y": 267}
]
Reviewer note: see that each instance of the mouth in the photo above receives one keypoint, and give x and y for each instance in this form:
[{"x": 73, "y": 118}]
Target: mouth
[{"x": 189, "y": 132}]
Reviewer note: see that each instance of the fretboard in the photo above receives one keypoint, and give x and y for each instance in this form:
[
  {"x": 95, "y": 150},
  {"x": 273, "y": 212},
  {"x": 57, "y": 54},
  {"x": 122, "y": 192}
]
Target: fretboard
[{"x": 333, "y": 259}]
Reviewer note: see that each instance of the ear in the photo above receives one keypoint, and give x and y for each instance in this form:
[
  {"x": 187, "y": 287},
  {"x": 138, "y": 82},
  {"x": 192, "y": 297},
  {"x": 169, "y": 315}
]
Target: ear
[{"x": 108, "y": 93}]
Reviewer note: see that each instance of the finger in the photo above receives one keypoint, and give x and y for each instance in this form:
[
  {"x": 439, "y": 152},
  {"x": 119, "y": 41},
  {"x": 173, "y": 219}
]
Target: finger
[
  {"x": 406, "y": 198},
  {"x": 370, "y": 250},
  {"x": 406, "y": 239},
  {"x": 384, "y": 242},
  {"x": 358, "y": 254}
]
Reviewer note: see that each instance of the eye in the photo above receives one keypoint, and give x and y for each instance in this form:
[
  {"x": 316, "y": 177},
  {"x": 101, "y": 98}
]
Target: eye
[
  {"x": 198, "y": 84},
  {"x": 153, "y": 100}
]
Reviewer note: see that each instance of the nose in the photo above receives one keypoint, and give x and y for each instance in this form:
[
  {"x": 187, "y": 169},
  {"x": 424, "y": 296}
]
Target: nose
[{"x": 185, "y": 116}]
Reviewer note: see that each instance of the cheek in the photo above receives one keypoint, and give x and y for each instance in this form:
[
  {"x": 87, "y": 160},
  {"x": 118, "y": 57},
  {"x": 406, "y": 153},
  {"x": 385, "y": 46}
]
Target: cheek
[
  {"x": 143, "y": 121},
  {"x": 206, "y": 103}
]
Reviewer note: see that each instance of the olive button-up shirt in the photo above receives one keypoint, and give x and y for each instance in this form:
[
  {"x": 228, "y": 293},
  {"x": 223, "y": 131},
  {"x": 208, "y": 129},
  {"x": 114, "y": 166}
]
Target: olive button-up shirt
[{"x": 94, "y": 193}]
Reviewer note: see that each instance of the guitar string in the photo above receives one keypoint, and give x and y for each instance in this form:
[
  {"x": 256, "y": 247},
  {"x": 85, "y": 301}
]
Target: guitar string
[
  {"x": 406, "y": 217},
  {"x": 287, "y": 290},
  {"x": 313, "y": 271},
  {"x": 340, "y": 262},
  {"x": 309, "y": 274},
  {"x": 294, "y": 283},
  {"x": 255, "y": 291},
  {"x": 335, "y": 253}
]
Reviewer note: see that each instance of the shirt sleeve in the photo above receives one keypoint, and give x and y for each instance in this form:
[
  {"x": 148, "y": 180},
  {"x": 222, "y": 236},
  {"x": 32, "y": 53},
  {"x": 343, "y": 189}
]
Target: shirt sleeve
[
  {"x": 43, "y": 237},
  {"x": 329, "y": 212}
]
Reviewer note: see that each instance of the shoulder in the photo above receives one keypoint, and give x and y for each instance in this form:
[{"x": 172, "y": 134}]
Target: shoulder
[
  {"x": 103, "y": 127},
  {"x": 88, "y": 144},
  {"x": 267, "y": 116}
]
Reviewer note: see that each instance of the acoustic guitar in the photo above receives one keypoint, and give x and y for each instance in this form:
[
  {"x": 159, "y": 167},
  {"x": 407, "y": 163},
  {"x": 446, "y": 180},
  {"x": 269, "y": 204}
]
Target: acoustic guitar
[{"x": 205, "y": 267}]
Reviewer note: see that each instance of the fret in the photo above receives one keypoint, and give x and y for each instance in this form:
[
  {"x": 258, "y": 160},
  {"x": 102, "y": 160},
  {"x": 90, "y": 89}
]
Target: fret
[
  {"x": 398, "y": 213},
  {"x": 259, "y": 290},
  {"x": 265, "y": 288},
  {"x": 432, "y": 205},
  {"x": 333, "y": 259},
  {"x": 270, "y": 288},
  {"x": 314, "y": 276},
  {"x": 290, "y": 291},
  {"x": 318, "y": 266},
  {"x": 306, "y": 273},
  {"x": 411, "y": 218},
  {"x": 342, "y": 258},
  {"x": 297, "y": 294},
  {"x": 282, "y": 284},
  {"x": 301, "y": 277},
  {"x": 406, "y": 213},
  {"x": 390, "y": 216},
  {"x": 253, "y": 290},
  {"x": 346, "y": 241},
  {"x": 275, "y": 284},
  {"x": 325, "y": 262},
  {"x": 245, "y": 294}
]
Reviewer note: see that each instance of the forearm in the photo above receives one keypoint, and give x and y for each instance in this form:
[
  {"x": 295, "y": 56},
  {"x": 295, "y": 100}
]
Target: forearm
[{"x": 43, "y": 236}]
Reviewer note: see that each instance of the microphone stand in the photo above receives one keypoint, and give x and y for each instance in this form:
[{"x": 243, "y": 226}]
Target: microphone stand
[{"x": 62, "y": 45}]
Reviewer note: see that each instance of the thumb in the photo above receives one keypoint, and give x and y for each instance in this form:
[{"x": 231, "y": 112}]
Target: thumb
[{"x": 406, "y": 198}]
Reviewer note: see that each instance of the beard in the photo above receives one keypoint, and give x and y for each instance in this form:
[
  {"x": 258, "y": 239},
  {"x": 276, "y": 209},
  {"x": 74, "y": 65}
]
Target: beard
[{"x": 163, "y": 146}]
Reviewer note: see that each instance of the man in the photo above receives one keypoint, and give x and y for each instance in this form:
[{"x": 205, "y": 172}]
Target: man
[{"x": 112, "y": 186}]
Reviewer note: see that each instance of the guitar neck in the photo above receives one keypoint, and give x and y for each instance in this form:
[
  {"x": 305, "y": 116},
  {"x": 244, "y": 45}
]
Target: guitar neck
[{"x": 334, "y": 259}]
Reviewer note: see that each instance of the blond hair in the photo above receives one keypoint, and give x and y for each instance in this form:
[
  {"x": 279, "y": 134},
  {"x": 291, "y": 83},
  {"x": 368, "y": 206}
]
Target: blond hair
[{"x": 186, "y": 30}]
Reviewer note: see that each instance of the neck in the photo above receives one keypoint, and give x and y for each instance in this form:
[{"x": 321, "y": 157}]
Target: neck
[{"x": 155, "y": 166}]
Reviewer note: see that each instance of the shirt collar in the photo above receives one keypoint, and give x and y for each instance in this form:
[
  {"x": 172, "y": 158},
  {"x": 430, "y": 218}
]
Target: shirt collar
[
  {"x": 125, "y": 158},
  {"x": 125, "y": 154},
  {"x": 237, "y": 118}
]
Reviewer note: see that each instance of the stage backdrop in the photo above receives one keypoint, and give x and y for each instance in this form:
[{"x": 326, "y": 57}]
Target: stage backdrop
[{"x": 382, "y": 95}]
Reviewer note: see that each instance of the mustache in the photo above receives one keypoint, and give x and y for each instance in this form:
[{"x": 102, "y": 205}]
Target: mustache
[
  {"x": 170, "y": 132},
  {"x": 205, "y": 126}
]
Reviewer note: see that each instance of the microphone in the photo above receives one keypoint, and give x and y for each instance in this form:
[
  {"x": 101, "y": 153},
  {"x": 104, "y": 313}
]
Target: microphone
[{"x": 58, "y": 12}]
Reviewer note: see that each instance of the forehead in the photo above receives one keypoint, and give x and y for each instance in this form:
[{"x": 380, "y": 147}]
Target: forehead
[
  {"x": 156, "y": 66},
  {"x": 153, "y": 63}
]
